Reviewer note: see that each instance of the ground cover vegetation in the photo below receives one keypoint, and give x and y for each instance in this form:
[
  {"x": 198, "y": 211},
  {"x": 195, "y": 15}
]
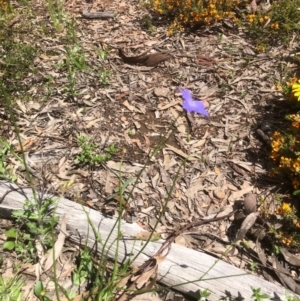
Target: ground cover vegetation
[{"x": 34, "y": 234}]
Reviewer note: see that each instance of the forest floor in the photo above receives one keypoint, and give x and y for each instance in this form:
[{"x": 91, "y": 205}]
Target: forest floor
[{"x": 79, "y": 99}]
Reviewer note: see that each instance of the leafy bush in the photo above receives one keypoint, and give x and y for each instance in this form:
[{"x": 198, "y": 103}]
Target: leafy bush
[
  {"x": 191, "y": 12},
  {"x": 267, "y": 25},
  {"x": 286, "y": 145}
]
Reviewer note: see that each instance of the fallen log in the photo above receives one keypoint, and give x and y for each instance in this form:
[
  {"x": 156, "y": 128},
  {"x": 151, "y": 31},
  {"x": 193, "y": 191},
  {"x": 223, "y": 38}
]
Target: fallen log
[
  {"x": 97, "y": 15},
  {"x": 181, "y": 265}
]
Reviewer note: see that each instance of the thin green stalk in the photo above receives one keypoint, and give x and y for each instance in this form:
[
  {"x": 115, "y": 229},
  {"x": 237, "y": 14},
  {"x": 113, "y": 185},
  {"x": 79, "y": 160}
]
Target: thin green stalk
[{"x": 16, "y": 128}]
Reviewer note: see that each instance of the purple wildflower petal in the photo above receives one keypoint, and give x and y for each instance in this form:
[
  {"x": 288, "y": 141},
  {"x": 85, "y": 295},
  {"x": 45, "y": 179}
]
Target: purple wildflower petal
[
  {"x": 186, "y": 95},
  {"x": 191, "y": 105}
]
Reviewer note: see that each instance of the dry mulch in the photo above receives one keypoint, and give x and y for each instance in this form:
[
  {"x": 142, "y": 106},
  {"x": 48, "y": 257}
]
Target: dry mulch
[{"x": 215, "y": 162}]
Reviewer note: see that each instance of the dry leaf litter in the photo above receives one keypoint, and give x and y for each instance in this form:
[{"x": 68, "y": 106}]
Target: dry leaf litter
[{"x": 223, "y": 155}]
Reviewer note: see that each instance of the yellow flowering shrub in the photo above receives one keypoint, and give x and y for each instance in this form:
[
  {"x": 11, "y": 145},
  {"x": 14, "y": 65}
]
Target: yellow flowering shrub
[
  {"x": 277, "y": 24},
  {"x": 296, "y": 89},
  {"x": 4, "y": 5},
  {"x": 191, "y": 12},
  {"x": 285, "y": 151},
  {"x": 288, "y": 235}
]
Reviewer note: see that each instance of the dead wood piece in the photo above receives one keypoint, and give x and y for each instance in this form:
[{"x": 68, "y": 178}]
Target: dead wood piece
[
  {"x": 181, "y": 265},
  {"x": 149, "y": 60},
  {"x": 97, "y": 15}
]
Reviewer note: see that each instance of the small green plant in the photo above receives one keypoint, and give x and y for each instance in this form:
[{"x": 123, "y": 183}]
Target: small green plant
[
  {"x": 17, "y": 60},
  {"x": 11, "y": 288},
  {"x": 36, "y": 222},
  {"x": 73, "y": 63},
  {"x": 6, "y": 172},
  {"x": 57, "y": 14},
  {"x": 40, "y": 291},
  {"x": 288, "y": 297},
  {"x": 131, "y": 132},
  {"x": 148, "y": 24},
  {"x": 102, "y": 53},
  {"x": 89, "y": 155},
  {"x": 204, "y": 294},
  {"x": 103, "y": 76},
  {"x": 85, "y": 268},
  {"x": 252, "y": 265},
  {"x": 102, "y": 73},
  {"x": 257, "y": 295},
  {"x": 75, "y": 58}
]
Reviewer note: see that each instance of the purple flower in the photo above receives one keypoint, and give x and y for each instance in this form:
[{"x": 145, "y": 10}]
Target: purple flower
[{"x": 191, "y": 105}]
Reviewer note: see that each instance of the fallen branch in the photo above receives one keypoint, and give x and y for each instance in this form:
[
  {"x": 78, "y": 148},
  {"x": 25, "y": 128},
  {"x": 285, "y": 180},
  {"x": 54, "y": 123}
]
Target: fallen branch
[
  {"x": 97, "y": 15},
  {"x": 181, "y": 265}
]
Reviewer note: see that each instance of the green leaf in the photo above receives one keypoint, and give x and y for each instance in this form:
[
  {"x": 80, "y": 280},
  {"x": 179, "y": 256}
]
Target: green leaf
[
  {"x": 33, "y": 227},
  {"x": 296, "y": 192},
  {"x": 39, "y": 289},
  {"x": 11, "y": 233},
  {"x": 9, "y": 245},
  {"x": 264, "y": 296},
  {"x": 18, "y": 213}
]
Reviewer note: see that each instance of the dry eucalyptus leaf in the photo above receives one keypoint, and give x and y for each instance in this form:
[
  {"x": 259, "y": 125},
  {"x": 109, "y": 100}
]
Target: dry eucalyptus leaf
[
  {"x": 283, "y": 274},
  {"x": 123, "y": 167},
  {"x": 290, "y": 258},
  {"x": 161, "y": 92},
  {"x": 238, "y": 194},
  {"x": 219, "y": 193},
  {"x": 246, "y": 225},
  {"x": 253, "y": 6},
  {"x": 261, "y": 254}
]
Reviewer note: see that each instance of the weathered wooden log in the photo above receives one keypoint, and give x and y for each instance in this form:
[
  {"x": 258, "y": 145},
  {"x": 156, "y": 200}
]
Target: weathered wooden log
[
  {"x": 97, "y": 15},
  {"x": 180, "y": 266}
]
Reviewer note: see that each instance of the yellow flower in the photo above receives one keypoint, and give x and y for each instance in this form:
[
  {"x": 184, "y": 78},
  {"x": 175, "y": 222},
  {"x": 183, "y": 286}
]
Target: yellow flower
[
  {"x": 296, "y": 89},
  {"x": 286, "y": 207}
]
